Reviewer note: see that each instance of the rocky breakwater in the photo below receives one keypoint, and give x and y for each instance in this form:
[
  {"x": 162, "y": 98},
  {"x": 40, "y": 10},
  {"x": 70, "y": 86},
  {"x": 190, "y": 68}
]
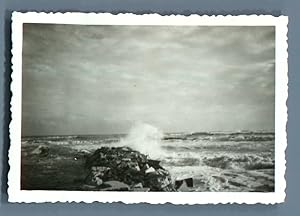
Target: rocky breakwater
[{"x": 124, "y": 169}]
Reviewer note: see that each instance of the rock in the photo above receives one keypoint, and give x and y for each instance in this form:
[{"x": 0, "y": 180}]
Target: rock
[
  {"x": 154, "y": 164},
  {"x": 188, "y": 182},
  {"x": 41, "y": 150},
  {"x": 126, "y": 159},
  {"x": 98, "y": 181},
  {"x": 160, "y": 180},
  {"x": 96, "y": 175},
  {"x": 100, "y": 170},
  {"x": 141, "y": 189},
  {"x": 139, "y": 185},
  {"x": 114, "y": 186},
  {"x": 89, "y": 187},
  {"x": 147, "y": 166},
  {"x": 125, "y": 148},
  {"x": 150, "y": 170},
  {"x": 133, "y": 166},
  {"x": 129, "y": 167},
  {"x": 83, "y": 151},
  {"x": 137, "y": 168},
  {"x": 184, "y": 188}
]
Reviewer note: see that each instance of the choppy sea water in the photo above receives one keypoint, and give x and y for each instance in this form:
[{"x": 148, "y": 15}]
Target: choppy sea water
[{"x": 217, "y": 161}]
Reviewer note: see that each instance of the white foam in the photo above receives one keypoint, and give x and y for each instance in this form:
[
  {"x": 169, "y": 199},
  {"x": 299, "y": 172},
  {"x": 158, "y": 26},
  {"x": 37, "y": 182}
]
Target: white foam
[{"x": 146, "y": 139}]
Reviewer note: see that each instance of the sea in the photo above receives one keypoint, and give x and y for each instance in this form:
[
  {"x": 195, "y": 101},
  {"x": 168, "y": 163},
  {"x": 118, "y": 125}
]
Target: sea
[{"x": 235, "y": 161}]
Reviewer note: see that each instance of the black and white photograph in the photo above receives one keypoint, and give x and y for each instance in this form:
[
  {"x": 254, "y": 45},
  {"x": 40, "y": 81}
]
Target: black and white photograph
[{"x": 148, "y": 108}]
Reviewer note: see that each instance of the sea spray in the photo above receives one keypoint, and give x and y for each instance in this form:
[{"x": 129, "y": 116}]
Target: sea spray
[{"x": 146, "y": 139}]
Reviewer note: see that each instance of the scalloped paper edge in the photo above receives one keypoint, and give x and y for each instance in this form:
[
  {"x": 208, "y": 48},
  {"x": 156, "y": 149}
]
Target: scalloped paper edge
[{"x": 281, "y": 90}]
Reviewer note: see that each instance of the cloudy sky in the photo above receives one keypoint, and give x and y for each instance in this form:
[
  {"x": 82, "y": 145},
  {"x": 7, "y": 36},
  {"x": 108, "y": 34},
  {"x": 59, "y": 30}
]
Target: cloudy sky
[{"x": 102, "y": 79}]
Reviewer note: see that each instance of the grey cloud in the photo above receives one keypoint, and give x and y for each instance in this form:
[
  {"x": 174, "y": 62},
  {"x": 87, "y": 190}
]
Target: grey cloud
[{"x": 100, "y": 79}]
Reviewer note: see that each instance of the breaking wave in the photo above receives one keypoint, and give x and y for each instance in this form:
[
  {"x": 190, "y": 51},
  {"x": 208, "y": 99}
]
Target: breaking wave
[
  {"x": 248, "y": 162},
  {"x": 223, "y": 137},
  {"x": 146, "y": 139}
]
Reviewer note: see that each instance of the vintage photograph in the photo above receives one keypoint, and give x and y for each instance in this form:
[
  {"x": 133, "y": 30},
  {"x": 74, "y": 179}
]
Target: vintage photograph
[{"x": 148, "y": 108}]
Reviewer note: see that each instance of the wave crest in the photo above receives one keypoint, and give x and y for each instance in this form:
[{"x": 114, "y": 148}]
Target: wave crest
[
  {"x": 144, "y": 138},
  {"x": 248, "y": 162}
]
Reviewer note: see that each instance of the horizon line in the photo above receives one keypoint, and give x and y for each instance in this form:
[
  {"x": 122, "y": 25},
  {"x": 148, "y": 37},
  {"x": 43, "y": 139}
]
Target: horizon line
[{"x": 123, "y": 133}]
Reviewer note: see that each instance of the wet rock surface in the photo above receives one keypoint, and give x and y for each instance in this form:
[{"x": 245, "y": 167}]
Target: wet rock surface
[{"x": 123, "y": 169}]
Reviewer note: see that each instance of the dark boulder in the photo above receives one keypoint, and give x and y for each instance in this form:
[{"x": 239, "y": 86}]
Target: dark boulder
[
  {"x": 189, "y": 182},
  {"x": 114, "y": 186},
  {"x": 184, "y": 184}
]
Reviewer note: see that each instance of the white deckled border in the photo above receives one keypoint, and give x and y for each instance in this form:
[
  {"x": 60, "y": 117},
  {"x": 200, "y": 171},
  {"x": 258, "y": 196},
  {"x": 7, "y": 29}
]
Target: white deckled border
[{"x": 281, "y": 90}]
